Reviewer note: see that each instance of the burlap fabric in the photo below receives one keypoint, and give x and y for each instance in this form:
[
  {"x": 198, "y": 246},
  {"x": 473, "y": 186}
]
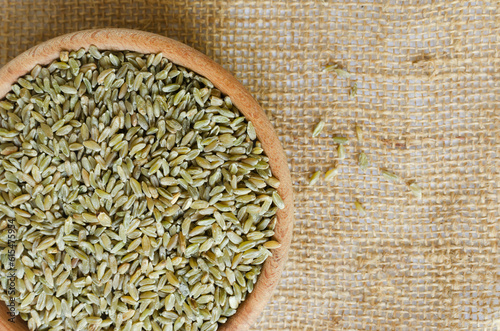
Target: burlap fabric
[{"x": 429, "y": 104}]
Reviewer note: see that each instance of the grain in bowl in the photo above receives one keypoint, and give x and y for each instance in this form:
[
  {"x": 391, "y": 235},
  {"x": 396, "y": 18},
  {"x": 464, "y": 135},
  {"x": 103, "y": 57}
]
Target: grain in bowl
[{"x": 140, "y": 196}]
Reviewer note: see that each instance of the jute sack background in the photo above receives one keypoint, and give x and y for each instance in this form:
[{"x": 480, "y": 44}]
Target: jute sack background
[{"x": 429, "y": 105}]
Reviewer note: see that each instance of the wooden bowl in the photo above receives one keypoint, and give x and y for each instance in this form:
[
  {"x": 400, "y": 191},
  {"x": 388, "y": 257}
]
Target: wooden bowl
[{"x": 178, "y": 53}]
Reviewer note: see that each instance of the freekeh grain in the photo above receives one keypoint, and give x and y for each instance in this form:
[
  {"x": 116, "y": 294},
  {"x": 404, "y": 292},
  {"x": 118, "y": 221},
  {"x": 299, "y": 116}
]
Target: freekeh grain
[
  {"x": 415, "y": 189},
  {"x": 318, "y": 128},
  {"x": 143, "y": 197},
  {"x": 363, "y": 161},
  {"x": 331, "y": 174},
  {"x": 341, "y": 152},
  {"x": 390, "y": 176},
  {"x": 314, "y": 178}
]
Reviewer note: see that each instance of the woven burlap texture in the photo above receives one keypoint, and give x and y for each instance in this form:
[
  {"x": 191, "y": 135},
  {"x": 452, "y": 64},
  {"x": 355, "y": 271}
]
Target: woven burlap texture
[{"x": 429, "y": 104}]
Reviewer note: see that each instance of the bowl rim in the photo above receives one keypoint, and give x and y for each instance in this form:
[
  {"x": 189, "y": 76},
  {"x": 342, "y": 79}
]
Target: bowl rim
[{"x": 145, "y": 42}]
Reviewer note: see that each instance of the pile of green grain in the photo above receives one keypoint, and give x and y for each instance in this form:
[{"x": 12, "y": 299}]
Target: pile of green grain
[{"x": 140, "y": 196}]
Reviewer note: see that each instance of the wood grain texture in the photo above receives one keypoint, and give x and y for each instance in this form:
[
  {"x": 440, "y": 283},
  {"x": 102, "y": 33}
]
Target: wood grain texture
[
  {"x": 7, "y": 325},
  {"x": 181, "y": 54}
]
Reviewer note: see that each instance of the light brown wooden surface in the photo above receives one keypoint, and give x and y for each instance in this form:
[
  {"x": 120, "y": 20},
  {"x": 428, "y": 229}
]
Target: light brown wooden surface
[
  {"x": 144, "y": 42},
  {"x": 6, "y": 323}
]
